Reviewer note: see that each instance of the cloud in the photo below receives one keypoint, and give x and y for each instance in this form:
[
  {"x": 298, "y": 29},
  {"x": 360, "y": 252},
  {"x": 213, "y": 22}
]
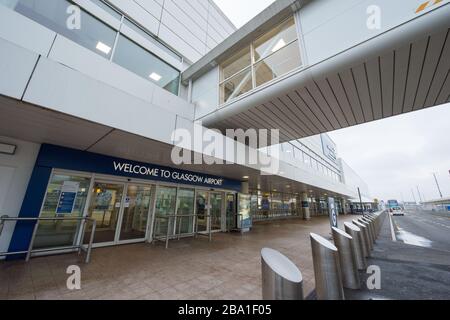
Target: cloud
[{"x": 396, "y": 155}]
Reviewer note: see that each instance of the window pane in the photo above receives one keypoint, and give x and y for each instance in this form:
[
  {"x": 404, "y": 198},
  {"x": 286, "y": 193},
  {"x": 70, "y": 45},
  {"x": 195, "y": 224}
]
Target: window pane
[
  {"x": 236, "y": 63},
  {"x": 54, "y": 234},
  {"x": 165, "y": 208},
  {"x": 276, "y": 39},
  {"x": 141, "y": 62},
  {"x": 237, "y": 85},
  {"x": 147, "y": 36},
  {"x": 186, "y": 204},
  {"x": 278, "y": 64},
  {"x": 93, "y": 34}
]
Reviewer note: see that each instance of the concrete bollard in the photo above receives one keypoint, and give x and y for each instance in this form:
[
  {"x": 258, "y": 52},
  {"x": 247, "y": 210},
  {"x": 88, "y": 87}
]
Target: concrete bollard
[
  {"x": 357, "y": 245},
  {"x": 369, "y": 232},
  {"x": 347, "y": 259},
  {"x": 327, "y": 269},
  {"x": 365, "y": 233},
  {"x": 281, "y": 279}
]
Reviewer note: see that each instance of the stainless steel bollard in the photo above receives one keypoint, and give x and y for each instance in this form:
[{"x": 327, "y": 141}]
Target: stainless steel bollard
[
  {"x": 281, "y": 279},
  {"x": 357, "y": 245},
  {"x": 371, "y": 228},
  {"x": 327, "y": 269},
  {"x": 365, "y": 237},
  {"x": 369, "y": 232},
  {"x": 347, "y": 259}
]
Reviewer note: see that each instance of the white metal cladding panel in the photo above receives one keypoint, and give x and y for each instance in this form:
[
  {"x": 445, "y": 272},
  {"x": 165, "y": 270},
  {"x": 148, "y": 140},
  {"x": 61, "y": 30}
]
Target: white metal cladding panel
[
  {"x": 178, "y": 43},
  {"x": 62, "y": 89},
  {"x": 218, "y": 22},
  {"x": 24, "y": 32},
  {"x": 139, "y": 14},
  {"x": 15, "y": 173},
  {"x": 180, "y": 21},
  {"x": 344, "y": 23},
  {"x": 16, "y": 67},
  {"x": 205, "y": 94},
  {"x": 188, "y": 17},
  {"x": 151, "y": 6}
]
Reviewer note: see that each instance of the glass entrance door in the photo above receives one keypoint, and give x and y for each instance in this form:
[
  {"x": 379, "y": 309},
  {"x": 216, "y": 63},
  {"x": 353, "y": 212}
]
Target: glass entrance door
[
  {"x": 216, "y": 201},
  {"x": 209, "y": 207},
  {"x": 202, "y": 208},
  {"x": 105, "y": 208},
  {"x": 136, "y": 209}
]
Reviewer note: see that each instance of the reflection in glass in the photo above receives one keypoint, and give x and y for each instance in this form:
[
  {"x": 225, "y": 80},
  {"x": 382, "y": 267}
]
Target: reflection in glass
[
  {"x": 278, "y": 64},
  {"x": 236, "y": 63},
  {"x": 92, "y": 34},
  {"x": 275, "y": 40},
  {"x": 238, "y": 85},
  {"x": 166, "y": 200},
  {"x": 54, "y": 234},
  {"x": 185, "y": 205},
  {"x": 141, "y": 62},
  {"x": 105, "y": 207},
  {"x": 136, "y": 211},
  {"x": 202, "y": 211}
]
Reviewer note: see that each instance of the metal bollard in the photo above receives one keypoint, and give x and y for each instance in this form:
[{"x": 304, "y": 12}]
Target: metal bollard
[
  {"x": 369, "y": 232},
  {"x": 347, "y": 259},
  {"x": 327, "y": 269},
  {"x": 281, "y": 279},
  {"x": 371, "y": 228},
  {"x": 365, "y": 237},
  {"x": 357, "y": 245}
]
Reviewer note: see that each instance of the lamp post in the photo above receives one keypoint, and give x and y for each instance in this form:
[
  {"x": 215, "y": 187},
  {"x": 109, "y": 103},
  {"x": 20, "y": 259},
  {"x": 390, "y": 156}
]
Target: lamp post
[{"x": 437, "y": 184}]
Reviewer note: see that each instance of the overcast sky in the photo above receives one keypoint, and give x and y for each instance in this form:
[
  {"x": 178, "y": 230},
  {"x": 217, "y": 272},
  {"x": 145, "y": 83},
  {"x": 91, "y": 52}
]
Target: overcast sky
[{"x": 394, "y": 156}]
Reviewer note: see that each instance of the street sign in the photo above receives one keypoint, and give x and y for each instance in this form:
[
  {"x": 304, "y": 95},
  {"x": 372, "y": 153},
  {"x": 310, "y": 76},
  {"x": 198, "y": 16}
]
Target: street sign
[{"x": 333, "y": 212}]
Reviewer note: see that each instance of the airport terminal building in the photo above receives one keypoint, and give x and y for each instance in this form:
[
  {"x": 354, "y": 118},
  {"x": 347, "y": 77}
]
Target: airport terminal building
[{"x": 92, "y": 91}]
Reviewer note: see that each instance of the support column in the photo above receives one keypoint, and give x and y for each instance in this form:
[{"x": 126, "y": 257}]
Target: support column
[
  {"x": 344, "y": 207},
  {"x": 305, "y": 206}
]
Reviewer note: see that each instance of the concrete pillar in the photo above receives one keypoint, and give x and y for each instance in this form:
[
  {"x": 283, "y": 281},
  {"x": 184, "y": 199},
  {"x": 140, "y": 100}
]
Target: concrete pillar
[{"x": 305, "y": 206}]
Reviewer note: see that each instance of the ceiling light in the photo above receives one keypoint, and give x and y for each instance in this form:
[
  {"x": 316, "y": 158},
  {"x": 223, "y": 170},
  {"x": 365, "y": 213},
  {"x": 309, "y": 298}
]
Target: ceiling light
[
  {"x": 155, "y": 76},
  {"x": 280, "y": 44},
  {"x": 103, "y": 47},
  {"x": 8, "y": 148},
  {"x": 245, "y": 177}
]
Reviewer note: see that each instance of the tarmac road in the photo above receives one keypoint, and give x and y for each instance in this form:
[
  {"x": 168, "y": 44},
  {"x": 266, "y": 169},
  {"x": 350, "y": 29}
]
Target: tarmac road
[{"x": 424, "y": 229}]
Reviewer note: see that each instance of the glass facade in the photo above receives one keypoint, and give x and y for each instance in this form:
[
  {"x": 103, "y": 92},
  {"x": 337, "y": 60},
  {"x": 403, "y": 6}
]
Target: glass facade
[
  {"x": 146, "y": 65},
  {"x": 100, "y": 38},
  {"x": 61, "y": 233},
  {"x": 272, "y": 55}
]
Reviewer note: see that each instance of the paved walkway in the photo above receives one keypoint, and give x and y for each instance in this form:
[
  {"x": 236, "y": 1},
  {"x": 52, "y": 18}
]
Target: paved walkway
[{"x": 191, "y": 269}]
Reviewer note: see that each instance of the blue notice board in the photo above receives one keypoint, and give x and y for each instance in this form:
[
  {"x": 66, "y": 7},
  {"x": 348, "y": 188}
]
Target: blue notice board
[{"x": 67, "y": 198}]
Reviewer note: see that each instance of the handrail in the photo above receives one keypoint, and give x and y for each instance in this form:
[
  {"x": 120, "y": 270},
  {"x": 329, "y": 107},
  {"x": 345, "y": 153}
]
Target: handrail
[
  {"x": 177, "y": 235},
  {"x": 30, "y": 251}
]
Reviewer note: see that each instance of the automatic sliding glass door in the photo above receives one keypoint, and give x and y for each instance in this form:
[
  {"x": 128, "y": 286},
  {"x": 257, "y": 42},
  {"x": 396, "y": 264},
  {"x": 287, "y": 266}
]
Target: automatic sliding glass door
[
  {"x": 136, "y": 212},
  {"x": 105, "y": 208}
]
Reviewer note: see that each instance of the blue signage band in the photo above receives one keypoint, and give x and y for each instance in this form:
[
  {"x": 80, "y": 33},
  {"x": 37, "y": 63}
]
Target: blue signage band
[{"x": 55, "y": 157}]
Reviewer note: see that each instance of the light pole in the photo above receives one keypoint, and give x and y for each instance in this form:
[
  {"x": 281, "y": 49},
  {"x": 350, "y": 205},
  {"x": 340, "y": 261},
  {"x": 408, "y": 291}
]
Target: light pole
[
  {"x": 420, "y": 195},
  {"x": 414, "y": 196},
  {"x": 437, "y": 184}
]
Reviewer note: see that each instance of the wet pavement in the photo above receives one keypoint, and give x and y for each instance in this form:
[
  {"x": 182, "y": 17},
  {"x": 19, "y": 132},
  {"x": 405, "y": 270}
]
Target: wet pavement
[{"x": 228, "y": 268}]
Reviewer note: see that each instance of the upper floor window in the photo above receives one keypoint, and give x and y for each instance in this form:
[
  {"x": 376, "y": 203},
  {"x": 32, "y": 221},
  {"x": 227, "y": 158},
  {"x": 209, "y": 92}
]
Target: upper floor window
[
  {"x": 138, "y": 60},
  {"x": 100, "y": 38},
  {"x": 92, "y": 34},
  {"x": 272, "y": 55}
]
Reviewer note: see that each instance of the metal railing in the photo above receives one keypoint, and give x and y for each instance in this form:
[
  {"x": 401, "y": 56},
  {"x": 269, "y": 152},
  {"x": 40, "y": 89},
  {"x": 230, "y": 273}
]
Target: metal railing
[
  {"x": 81, "y": 247},
  {"x": 176, "y": 219}
]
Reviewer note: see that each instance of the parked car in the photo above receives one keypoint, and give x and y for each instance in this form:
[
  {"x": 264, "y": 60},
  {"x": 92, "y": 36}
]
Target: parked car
[{"x": 397, "y": 211}]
